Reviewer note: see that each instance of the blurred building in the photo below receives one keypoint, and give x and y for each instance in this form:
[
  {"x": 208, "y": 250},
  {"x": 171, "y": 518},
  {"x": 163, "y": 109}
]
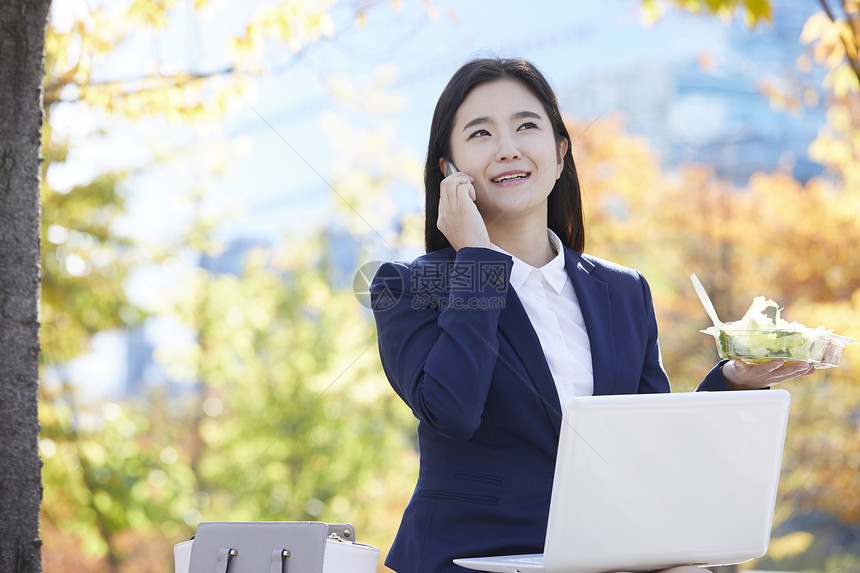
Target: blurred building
[{"x": 712, "y": 108}]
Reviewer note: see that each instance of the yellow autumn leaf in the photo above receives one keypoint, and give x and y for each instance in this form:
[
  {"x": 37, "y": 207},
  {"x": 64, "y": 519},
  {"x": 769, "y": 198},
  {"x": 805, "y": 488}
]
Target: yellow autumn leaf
[
  {"x": 843, "y": 81},
  {"x": 814, "y": 27},
  {"x": 694, "y": 6},
  {"x": 651, "y": 12},
  {"x": 789, "y": 545}
]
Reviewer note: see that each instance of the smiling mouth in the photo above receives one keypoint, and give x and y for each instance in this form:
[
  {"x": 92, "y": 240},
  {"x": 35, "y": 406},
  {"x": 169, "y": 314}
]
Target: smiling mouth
[{"x": 513, "y": 177}]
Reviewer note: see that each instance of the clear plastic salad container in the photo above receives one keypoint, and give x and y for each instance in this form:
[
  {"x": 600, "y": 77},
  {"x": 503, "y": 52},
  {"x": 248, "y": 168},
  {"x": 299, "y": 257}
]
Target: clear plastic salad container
[
  {"x": 816, "y": 346},
  {"x": 758, "y": 338}
]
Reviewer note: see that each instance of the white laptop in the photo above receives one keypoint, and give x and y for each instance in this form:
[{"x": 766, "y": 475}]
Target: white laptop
[{"x": 651, "y": 481}]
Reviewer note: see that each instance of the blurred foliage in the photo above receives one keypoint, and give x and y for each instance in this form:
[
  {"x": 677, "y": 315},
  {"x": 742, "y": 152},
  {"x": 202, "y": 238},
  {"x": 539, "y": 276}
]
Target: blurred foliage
[
  {"x": 290, "y": 419},
  {"x": 792, "y": 242},
  {"x": 169, "y": 89},
  {"x": 843, "y": 563},
  {"x": 284, "y": 414},
  {"x": 84, "y": 262},
  {"x": 789, "y": 545},
  {"x": 753, "y": 11}
]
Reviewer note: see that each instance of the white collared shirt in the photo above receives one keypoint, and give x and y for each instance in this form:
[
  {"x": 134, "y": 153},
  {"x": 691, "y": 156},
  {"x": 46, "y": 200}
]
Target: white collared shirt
[{"x": 553, "y": 309}]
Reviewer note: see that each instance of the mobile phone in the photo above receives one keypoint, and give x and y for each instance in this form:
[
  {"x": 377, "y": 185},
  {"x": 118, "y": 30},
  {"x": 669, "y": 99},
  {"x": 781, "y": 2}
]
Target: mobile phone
[{"x": 450, "y": 168}]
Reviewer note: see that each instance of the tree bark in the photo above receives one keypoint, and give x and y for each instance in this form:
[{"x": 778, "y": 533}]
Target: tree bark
[{"x": 22, "y": 45}]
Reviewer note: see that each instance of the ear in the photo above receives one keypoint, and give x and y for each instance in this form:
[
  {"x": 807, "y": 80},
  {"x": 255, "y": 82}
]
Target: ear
[
  {"x": 562, "y": 149},
  {"x": 442, "y": 165}
]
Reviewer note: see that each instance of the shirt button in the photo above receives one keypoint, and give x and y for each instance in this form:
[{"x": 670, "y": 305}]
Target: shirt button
[
  {"x": 565, "y": 380},
  {"x": 535, "y": 274}
]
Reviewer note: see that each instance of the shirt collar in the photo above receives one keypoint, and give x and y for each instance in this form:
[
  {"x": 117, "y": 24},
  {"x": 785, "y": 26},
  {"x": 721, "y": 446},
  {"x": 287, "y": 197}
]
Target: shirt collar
[{"x": 553, "y": 272}]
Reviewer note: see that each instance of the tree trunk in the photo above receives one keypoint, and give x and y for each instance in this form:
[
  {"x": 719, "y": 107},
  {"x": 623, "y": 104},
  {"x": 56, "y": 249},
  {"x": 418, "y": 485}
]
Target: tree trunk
[{"x": 22, "y": 45}]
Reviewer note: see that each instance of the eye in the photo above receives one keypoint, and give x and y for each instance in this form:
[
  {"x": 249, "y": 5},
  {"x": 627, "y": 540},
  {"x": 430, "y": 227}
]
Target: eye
[
  {"x": 527, "y": 125},
  {"x": 479, "y": 133}
]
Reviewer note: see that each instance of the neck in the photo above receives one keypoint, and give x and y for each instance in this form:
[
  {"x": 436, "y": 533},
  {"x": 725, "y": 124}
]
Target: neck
[{"x": 529, "y": 243}]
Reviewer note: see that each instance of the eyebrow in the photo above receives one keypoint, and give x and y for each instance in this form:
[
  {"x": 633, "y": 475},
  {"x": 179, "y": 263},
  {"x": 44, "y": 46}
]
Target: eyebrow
[{"x": 517, "y": 115}]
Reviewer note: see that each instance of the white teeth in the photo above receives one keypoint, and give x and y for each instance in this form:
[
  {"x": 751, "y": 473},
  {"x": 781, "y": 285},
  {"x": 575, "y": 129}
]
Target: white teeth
[{"x": 504, "y": 178}]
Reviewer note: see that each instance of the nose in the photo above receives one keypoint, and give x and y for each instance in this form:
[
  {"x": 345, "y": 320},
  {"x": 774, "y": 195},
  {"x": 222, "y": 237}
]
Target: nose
[{"x": 507, "y": 149}]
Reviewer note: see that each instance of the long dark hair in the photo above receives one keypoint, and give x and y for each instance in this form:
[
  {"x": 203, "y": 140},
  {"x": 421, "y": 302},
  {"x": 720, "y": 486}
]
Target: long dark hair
[{"x": 564, "y": 208}]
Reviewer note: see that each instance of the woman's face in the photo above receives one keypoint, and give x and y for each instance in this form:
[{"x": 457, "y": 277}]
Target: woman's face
[{"x": 503, "y": 137}]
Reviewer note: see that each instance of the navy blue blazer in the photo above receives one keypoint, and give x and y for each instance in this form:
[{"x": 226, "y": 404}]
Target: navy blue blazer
[{"x": 457, "y": 346}]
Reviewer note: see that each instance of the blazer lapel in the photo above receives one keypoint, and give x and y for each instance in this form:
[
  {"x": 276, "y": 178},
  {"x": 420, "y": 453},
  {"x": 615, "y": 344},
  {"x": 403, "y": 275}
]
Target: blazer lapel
[
  {"x": 514, "y": 324},
  {"x": 593, "y": 296}
]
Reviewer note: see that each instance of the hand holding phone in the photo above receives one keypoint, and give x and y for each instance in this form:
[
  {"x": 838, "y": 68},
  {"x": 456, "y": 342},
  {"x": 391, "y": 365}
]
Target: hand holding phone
[
  {"x": 451, "y": 169},
  {"x": 459, "y": 218}
]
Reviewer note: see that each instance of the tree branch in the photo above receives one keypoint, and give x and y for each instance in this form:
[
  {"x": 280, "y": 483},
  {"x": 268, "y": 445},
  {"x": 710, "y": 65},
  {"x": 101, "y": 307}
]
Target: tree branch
[
  {"x": 854, "y": 20},
  {"x": 827, "y": 10},
  {"x": 849, "y": 49},
  {"x": 53, "y": 91}
]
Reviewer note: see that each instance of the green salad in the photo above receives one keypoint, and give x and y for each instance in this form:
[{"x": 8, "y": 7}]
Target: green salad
[
  {"x": 757, "y": 337},
  {"x": 764, "y": 345}
]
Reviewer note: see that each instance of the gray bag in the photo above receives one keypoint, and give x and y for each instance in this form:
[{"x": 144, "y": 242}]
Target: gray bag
[{"x": 274, "y": 547}]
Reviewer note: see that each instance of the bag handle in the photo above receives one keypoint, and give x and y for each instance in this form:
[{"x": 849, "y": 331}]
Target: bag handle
[
  {"x": 279, "y": 558},
  {"x": 224, "y": 556}
]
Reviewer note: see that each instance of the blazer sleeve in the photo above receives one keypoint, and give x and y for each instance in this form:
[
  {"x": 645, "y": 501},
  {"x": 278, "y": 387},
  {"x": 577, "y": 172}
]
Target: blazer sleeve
[
  {"x": 654, "y": 378},
  {"x": 437, "y": 325},
  {"x": 714, "y": 381}
]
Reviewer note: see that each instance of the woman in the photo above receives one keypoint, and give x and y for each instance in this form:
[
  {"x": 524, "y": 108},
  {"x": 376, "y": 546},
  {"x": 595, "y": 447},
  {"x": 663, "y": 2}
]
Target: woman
[{"x": 504, "y": 319}]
